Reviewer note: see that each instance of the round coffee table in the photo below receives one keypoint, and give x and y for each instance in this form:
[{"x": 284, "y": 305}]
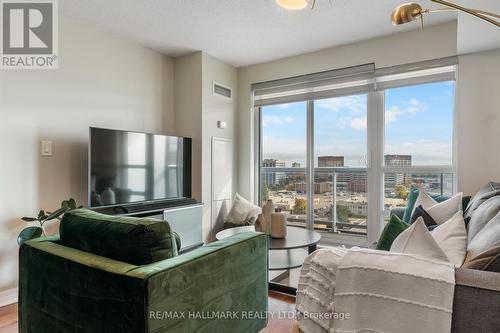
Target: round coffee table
[{"x": 284, "y": 253}]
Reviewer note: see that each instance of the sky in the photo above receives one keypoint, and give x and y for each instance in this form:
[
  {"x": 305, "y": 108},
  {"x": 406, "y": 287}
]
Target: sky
[{"x": 418, "y": 121}]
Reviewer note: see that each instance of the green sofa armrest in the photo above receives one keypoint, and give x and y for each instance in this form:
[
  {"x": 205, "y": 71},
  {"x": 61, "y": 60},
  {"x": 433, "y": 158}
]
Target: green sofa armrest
[
  {"x": 62, "y": 289},
  {"x": 67, "y": 290},
  {"x": 220, "y": 287}
]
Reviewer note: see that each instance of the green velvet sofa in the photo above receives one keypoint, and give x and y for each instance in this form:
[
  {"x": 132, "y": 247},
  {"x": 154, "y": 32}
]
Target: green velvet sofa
[{"x": 220, "y": 287}]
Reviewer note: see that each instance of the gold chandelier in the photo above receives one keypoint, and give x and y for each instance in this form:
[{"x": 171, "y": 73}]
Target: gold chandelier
[{"x": 411, "y": 11}]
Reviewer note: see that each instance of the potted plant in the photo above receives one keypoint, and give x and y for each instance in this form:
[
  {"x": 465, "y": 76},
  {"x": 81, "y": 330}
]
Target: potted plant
[{"x": 42, "y": 217}]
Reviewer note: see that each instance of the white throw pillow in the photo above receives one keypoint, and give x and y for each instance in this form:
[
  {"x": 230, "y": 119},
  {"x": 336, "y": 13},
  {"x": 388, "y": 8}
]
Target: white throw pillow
[
  {"x": 424, "y": 200},
  {"x": 419, "y": 241},
  {"x": 242, "y": 210},
  {"x": 451, "y": 237},
  {"x": 442, "y": 211}
]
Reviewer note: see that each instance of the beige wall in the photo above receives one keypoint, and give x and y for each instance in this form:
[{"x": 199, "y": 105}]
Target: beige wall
[
  {"x": 102, "y": 81},
  {"x": 418, "y": 45},
  {"x": 478, "y": 120}
]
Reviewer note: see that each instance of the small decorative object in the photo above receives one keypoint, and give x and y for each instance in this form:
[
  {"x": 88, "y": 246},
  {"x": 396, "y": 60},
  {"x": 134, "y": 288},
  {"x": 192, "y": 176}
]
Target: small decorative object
[
  {"x": 267, "y": 210},
  {"x": 261, "y": 224},
  {"x": 43, "y": 216},
  {"x": 108, "y": 196},
  {"x": 278, "y": 225}
]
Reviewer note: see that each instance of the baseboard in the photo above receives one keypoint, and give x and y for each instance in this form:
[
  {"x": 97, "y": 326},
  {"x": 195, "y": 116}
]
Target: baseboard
[{"x": 8, "y": 297}]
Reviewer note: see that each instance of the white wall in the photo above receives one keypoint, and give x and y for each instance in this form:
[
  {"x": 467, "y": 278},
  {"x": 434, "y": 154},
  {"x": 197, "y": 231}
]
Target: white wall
[
  {"x": 478, "y": 120},
  {"x": 216, "y": 108},
  {"x": 102, "y": 81},
  {"x": 197, "y": 112},
  {"x": 418, "y": 45},
  {"x": 474, "y": 34},
  {"x": 187, "y": 105}
]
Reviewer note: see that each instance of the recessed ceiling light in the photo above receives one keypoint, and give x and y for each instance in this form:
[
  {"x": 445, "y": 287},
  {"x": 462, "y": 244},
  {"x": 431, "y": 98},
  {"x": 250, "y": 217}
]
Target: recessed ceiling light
[{"x": 292, "y": 4}]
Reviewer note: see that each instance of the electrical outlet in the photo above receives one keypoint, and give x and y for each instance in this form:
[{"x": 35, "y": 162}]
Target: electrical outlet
[{"x": 221, "y": 124}]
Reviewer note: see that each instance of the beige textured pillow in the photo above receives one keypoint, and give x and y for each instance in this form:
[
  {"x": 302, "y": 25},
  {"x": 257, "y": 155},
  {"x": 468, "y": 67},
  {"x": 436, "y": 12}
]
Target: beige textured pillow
[
  {"x": 241, "y": 211},
  {"x": 451, "y": 237},
  {"x": 419, "y": 241},
  {"x": 439, "y": 211}
]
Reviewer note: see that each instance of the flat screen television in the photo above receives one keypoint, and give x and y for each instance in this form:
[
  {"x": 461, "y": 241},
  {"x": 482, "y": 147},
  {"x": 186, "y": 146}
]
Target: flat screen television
[{"x": 132, "y": 167}]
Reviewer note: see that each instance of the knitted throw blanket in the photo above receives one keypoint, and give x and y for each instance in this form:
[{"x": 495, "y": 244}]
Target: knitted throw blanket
[{"x": 363, "y": 290}]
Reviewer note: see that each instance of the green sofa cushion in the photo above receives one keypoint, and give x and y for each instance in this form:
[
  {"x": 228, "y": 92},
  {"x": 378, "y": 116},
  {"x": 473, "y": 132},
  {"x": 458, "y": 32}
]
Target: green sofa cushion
[
  {"x": 391, "y": 230},
  {"x": 137, "y": 241}
]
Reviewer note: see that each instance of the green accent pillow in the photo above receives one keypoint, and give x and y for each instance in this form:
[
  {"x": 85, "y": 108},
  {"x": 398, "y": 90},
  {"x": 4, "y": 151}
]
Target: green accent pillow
[
  {"x": 137, "y": 241},
  {"x": 412, "y": 198},
  {"x": 391, "y": 230}
]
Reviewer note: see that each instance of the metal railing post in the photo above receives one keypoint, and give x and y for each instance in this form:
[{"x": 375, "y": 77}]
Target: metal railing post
[{"x": 334, "y": 210}]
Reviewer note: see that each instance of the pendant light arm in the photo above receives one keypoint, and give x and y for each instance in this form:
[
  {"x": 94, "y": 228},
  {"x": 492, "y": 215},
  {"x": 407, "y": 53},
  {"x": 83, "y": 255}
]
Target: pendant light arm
[
  {"x": 444, "y": 9},
  {"x": 478, "y": 13}
]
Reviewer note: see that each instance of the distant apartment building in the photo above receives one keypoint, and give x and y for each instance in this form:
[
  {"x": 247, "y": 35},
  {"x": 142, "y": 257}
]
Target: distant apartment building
[
  {"x": 323, "y": 187},
  {"x": 330, "y": 161},
  {"x": 273, "y": 178},
  {"x": 392, "y": 179},
  {"x": 295, "y": 165},
  {"x": 300, "y": 187},
  {"x": 356, "y": 205},
  {"x": 319, "y": 188},
  {"x": 397, "y": 160},
  {"x": 357, "y": 186}
]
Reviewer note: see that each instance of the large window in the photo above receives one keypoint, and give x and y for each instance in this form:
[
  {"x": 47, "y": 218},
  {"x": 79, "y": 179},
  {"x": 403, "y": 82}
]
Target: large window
[
  {"x": 418, "y": 131},
  {"x": 340, "y": 178},
  {"x": 283, "y": 152},
  {"x": 340, "y": 159}
]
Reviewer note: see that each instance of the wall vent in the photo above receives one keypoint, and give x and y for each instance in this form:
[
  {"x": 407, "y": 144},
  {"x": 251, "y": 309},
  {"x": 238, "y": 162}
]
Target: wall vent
[{"x": 220, "y": 90}]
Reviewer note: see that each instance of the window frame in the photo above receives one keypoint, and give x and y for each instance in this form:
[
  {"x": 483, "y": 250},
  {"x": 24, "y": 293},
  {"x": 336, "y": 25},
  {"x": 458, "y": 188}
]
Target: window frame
[{"x": 375, "y": 168}]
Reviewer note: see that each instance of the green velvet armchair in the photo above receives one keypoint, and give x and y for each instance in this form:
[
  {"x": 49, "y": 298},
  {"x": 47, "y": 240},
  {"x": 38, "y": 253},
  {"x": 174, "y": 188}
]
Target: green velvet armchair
[{"x": 220, "y": 287}]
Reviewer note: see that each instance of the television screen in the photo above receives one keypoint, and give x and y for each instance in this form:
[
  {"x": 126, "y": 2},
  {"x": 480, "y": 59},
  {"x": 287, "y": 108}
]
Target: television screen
[{"x": 128, "y": 167}]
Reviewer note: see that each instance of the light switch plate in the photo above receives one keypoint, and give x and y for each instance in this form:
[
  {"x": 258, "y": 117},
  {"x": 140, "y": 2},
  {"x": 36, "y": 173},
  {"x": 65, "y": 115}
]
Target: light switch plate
[{"x": 46, "y": 148}]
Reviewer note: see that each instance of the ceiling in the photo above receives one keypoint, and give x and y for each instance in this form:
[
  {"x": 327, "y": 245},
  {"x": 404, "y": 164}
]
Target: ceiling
[{"x": 242, "y": 32}]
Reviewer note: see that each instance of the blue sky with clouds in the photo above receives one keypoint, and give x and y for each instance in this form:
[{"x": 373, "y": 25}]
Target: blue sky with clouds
[{"x": 419, "y": 121}]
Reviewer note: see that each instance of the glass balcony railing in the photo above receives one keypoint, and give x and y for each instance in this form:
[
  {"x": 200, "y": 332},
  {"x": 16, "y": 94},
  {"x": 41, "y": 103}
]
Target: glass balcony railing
[
  {"x": 340, "y": 195},
  {"x": 397, "y": 186},
  {"x": 340, "y": 201}
]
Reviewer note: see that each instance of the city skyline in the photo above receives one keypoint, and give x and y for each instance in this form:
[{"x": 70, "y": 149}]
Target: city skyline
[{"x": 336, "y": 161}]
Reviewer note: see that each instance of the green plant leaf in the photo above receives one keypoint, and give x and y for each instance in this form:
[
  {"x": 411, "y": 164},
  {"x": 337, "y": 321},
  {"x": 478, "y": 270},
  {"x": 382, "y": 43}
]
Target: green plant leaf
[
  {"x": 29, "y": 219},
  {"x": 56, "y": 214},
  {"x": 72, "y": 203},
  {"x": 41, "y": 214}
]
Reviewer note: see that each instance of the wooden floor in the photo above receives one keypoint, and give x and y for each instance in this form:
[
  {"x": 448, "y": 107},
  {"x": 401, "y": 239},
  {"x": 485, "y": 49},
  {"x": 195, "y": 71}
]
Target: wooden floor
[
  {"x": 8, "y": 319},
  {"x": 280, "y": 308}
]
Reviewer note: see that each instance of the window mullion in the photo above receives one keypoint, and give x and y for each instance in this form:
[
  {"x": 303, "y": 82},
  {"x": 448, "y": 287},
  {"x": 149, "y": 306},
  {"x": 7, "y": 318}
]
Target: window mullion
[
  {"x": 375, "y": 177},
  {"x": 310, "y": 164}
]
